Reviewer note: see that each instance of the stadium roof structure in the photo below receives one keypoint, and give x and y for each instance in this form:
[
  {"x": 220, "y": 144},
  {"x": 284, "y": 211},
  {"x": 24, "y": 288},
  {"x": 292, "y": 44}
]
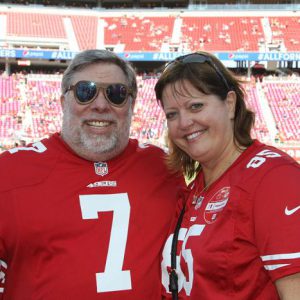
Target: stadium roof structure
[{"x": 113, "y": 4}]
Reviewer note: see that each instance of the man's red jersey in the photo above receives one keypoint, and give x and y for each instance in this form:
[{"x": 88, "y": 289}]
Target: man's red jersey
[
  {"x": 75, "y": 229},
  {"x": 243, "y": 233}
]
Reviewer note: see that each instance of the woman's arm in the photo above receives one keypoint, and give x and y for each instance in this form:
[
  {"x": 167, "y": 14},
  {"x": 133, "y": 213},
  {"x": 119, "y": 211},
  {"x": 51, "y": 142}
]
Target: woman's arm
[{"x": 288, "y": 287}]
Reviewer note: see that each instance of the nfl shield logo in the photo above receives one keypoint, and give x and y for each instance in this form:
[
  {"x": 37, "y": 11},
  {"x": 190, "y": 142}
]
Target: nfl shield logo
[{"x": 101, "y": 168}]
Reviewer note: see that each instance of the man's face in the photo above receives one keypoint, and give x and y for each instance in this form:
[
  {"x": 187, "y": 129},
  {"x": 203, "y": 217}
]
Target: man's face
[{"x": 97, "y": 131}]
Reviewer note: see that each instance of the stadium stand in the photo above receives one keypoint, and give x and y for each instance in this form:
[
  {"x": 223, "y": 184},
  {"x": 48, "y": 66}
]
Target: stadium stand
[
  {"x": 283, "y": 98},
  {"x": 133, "y": 31},
  {"x": 82, "y": 25},
  {"x": 35, "y": 25},
  {"x": 30, "y": 109},
  {"x": 222, "y": 33},
  {"x": 286, "y": 31},
  {"x": 138, "y": 33}
]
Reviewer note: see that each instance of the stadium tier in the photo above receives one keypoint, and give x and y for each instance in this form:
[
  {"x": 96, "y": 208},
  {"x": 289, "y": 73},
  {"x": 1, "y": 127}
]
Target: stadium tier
[{"x": 147, "y": 32}]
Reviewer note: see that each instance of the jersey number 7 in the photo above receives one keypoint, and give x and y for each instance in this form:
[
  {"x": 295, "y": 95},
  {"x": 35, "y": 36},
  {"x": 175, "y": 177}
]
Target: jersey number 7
[{"x": 113, "y": 278}]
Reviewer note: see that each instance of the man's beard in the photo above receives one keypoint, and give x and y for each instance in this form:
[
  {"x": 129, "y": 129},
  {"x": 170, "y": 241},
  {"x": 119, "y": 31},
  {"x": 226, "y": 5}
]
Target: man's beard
[{"x": 96, "y": 144}]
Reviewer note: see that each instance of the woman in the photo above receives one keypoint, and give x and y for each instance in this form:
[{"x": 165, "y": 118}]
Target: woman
[{"x": 238, "y": 234}]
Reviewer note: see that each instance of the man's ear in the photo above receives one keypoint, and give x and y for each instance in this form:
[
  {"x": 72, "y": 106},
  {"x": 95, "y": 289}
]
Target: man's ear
[
  {"x": 62, "y": 101},
  {"x": 231, "y": 103}
]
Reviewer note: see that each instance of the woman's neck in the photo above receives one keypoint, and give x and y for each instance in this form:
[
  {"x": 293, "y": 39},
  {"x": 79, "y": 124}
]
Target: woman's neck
[{"x": 215, "y": 169}]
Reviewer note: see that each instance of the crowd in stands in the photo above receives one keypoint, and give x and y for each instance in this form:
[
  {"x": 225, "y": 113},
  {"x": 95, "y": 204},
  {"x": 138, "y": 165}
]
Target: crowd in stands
[
  {"x": 30, "y": 109},
  {"x": 284, "y": 102}
]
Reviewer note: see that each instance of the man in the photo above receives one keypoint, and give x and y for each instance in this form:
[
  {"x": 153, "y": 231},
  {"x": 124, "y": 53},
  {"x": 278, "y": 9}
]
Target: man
[{"x": 83, "y": 214}]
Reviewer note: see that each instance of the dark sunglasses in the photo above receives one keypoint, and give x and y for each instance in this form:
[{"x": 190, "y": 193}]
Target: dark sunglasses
[
  {"x": 198, "y": 58},
  {"x": 86, "y": 92}
]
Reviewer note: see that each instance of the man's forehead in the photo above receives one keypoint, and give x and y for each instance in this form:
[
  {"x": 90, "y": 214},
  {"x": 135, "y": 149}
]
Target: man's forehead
[{"x": 102, "y": 72}]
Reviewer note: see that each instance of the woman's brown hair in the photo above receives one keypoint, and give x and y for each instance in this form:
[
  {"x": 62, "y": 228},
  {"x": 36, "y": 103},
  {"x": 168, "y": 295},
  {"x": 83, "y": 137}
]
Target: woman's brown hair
[{"x": 209, "y": 76}]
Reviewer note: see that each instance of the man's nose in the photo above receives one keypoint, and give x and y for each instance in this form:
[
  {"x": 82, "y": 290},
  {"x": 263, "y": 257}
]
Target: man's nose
[{"x": 100, "y": 101}]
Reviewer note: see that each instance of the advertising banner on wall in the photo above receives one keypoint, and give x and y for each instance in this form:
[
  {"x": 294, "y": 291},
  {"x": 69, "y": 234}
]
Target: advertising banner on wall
[{"x": 150, "y": 56}]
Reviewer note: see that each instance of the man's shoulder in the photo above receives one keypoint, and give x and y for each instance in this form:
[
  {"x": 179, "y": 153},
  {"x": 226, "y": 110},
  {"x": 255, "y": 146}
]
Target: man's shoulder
[
  {"x": 149, "y": 149},
  {"x": 151, "y": 159},
  {"x": 28, "y": 165},
  {"x": 150, "y": 154}
]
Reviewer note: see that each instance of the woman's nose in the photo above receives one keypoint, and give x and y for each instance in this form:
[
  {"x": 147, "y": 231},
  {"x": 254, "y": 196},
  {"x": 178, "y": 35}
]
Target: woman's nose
[{"x": 185, "y": 121}]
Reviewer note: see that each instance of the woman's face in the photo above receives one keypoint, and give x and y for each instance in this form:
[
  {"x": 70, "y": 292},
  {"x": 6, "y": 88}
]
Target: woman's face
[{"x": 201, "y": 125}]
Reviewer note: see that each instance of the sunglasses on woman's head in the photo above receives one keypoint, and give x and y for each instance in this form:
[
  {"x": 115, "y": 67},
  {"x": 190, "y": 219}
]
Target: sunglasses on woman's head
[
  {"x": 86, "y": 92},
  {"x": 198, "y": 58}
]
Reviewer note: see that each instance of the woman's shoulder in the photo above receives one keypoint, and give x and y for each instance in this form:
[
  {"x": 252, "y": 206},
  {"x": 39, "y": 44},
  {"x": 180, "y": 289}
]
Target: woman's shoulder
[
  {"x": 260, "y": 161},
  {"x": 262, "y": 156}
]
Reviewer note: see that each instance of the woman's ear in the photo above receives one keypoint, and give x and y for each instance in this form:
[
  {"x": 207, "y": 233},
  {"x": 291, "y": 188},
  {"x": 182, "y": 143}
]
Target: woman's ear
[{"x": 231, "y": 102}]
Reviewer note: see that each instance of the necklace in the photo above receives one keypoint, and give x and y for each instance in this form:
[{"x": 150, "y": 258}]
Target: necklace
[{"x": 198, "y": 197}]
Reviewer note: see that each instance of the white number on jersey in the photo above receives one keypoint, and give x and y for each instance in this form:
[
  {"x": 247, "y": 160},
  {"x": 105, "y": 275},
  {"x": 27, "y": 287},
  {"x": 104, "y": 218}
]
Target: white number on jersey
[
  {"x": 113, "y": 278},
  {"x": 260, "y": 158},
  {"x": 186, "y": 254},
  {"x": 3, "y": 268}
]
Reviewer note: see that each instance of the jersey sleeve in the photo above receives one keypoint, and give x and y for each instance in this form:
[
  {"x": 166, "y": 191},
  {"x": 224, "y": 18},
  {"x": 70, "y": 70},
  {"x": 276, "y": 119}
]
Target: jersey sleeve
[{"x": 277, "y": 220}]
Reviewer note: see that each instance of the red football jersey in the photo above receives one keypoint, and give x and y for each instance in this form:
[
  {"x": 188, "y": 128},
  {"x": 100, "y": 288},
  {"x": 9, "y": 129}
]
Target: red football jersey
[
  {"x": 75, "y": 229},
  {"x": 242, "y": 234}
]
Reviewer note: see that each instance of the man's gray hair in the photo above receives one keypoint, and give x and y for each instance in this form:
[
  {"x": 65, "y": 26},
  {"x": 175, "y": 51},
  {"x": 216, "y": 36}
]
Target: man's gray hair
[{"x": 89, "y": 57}]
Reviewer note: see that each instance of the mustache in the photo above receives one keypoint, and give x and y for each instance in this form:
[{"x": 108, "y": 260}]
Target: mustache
[{"x": 99, "y": 117}]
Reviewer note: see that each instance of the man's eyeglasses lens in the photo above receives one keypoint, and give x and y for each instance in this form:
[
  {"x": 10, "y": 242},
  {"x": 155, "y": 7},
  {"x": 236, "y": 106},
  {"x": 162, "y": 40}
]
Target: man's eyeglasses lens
[{"x": 87, "y": 91}]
